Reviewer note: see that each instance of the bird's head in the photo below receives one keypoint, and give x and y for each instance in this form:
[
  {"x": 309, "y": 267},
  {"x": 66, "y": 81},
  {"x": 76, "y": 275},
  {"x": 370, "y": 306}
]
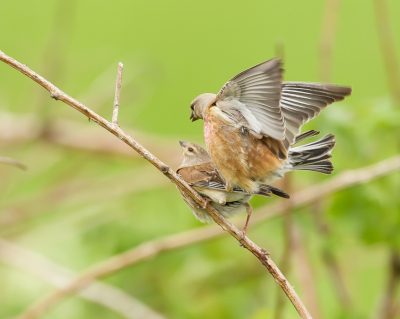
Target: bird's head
[
  {"x": 200, "y": 104},
  {"x": 193, "y": 154}
]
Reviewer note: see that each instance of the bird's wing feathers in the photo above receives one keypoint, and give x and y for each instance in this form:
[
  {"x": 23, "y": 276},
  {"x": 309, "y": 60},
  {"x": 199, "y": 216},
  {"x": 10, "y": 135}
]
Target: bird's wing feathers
[
  {"x": 265, "y": 189},
  {"x": 193, "y": 174},
  {"x": 217, "y": 185},
  {"x": 301, "y": 102},
  {"x": 258, "y": 90},
  {"x": 196, "y": 176},
  {"x": 274, "y": 190}
]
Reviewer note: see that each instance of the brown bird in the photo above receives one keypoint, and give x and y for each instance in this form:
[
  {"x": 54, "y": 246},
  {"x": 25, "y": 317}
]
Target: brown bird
[
  {"x": 252, "y": 123},
  {"x": 195, "y": 165}
]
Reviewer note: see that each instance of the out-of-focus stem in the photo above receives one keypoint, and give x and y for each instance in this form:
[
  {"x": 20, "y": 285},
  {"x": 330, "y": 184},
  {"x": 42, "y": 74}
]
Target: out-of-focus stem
[
  {"x": 329, "y": 258},
  {"x": 327, "y": 40},
  {"x": 10, "y": 161},
  {"x": 286, "y": 259},
  {"x": 388, "y": 48},
  {"x": 389, "y": 309},
  {"x": 305, "y": 273},
  {"x": 56, "y": 275}
]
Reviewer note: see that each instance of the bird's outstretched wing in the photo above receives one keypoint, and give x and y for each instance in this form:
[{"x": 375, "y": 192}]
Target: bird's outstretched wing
[
  {"x": 301, "y": 102},
  {"x": 256, "y": 93}
]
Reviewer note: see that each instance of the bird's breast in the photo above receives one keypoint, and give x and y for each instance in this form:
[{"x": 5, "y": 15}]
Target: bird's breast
[
  {"x": 213, "y": 121},
  {"x": 210, "y": 128},
  {"x": 207, "y": 130}
]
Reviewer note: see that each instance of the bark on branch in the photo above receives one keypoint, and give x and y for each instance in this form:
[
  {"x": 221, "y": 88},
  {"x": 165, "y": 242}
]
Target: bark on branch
[{"x": 42, "y": 305}]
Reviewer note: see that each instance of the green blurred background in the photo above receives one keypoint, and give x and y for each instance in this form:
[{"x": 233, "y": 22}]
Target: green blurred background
[{"x": 86, "y": 197}]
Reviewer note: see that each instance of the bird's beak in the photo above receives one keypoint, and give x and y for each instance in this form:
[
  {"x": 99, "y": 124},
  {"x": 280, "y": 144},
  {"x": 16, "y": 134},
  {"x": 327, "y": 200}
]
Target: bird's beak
[
  {"x": 191, "y": 116},
  {"x": 183, "y": 144}
]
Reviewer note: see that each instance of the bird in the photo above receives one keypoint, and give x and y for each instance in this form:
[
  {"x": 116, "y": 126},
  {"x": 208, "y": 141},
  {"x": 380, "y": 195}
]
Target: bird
[
  {"x": 251, "y": 125},
  {"x": 195, "y": 164}
]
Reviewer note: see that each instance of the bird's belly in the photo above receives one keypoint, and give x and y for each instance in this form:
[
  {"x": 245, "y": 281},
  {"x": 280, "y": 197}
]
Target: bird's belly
[{"x": 239, "y": 157}]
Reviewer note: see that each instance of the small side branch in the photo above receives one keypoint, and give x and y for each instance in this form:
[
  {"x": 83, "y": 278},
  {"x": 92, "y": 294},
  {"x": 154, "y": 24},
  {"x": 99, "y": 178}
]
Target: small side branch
[
  {"x": 327, "y": 39},
  {"x": 10, "y": 161},
  {"x": 330, "y": 259},
  {"x": 388, "y": 48},
  {"x": 388, "y": 308},
  {"x": 289, "y": 244},
  {"x": 117, "y": 93}
]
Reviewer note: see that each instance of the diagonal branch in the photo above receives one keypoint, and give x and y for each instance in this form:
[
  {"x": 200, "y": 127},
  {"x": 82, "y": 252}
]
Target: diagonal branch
[
  {"x": 42, "y": 305},
  {"x": 58, "y": 276},
  {"x": 10, "y": 161},
  {"x": 150, "y": 249}
]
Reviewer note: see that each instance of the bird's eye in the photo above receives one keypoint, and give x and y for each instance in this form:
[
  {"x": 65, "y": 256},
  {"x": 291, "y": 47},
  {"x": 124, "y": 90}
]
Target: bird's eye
[
  {"x": 190, "y": 149},
  {"x": 192, "y": 107}
]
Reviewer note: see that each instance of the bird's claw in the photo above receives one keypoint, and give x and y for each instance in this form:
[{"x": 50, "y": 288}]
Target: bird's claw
[{"x": 244, "y": 232}]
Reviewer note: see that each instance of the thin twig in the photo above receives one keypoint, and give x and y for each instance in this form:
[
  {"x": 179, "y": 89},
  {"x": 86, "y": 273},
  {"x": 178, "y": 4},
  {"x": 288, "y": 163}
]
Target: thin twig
[
  {"x": 42, "y": 305},
  {"x": 286, "y": 259},
  {"x": 327, "y": 39},
  {"x": 305, "y": 273},
  {"x": 390, "y": 58},
  {"x": 155, "y": 247},
  {"x": 326, "y": 50},
  {"x": 58, "y": 276},
  {"x": 117, "y": 93},
  {"x": 330, "y": 259},
  {"x": 388, "y": 48},
  {"x": 388, "y": 309},
  {"x": 10, "y": 161}
]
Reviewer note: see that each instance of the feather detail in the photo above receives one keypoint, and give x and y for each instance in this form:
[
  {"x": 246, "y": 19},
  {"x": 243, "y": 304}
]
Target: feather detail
[
  {"x": 314, "y": 156},
  {"x": 256, "y": 92},
  {"x": 301, "y": 102}
]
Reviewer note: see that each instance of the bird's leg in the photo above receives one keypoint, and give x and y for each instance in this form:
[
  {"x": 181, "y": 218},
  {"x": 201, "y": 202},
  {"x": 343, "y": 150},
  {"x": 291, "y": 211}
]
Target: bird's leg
[
  {"x": 249, "y": 211},
  {"x": 207, "y": 201}
]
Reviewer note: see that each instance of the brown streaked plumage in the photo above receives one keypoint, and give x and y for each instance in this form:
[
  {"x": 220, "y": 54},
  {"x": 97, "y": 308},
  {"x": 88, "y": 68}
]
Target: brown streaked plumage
[
  {"x": 195, "y": 165},
  {"x": 193, "y": 174},
  {"x": 251, "y": 125}
]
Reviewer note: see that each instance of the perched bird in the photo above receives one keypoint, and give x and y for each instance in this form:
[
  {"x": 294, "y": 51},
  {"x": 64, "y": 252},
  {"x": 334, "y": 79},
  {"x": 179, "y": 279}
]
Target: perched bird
[
  {"x": 252, "y": 123},
  {"x": 195, "y": 165}
]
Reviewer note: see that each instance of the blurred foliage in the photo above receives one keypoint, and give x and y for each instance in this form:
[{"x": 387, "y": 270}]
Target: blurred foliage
[{"x": 78, "y": 207}]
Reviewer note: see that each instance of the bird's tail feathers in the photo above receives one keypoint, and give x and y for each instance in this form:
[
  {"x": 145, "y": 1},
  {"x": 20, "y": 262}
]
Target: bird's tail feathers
[
  {"x": 305, "y": 135},
  {"x": 265, "y": 188},
  {"x": 314, "y": 156}
]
